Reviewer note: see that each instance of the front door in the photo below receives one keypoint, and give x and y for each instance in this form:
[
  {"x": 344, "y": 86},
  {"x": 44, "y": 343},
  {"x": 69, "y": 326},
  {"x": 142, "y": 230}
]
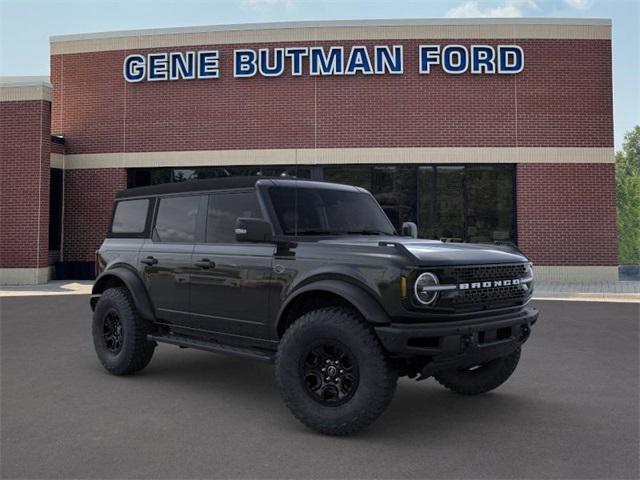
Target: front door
[
  {"x": 165, "y": 260},
  {"x": 231, "y": 281}
]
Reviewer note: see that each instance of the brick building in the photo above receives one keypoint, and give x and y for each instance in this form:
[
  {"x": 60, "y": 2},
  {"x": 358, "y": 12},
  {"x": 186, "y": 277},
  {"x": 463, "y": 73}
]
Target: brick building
[{"x": 478, "y": 130}]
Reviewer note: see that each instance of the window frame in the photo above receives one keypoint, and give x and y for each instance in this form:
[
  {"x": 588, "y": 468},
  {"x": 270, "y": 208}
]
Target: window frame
[{"x": 147, "y": 222}]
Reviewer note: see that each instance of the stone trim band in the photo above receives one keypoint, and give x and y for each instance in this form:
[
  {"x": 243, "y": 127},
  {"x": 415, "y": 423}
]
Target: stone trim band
[{"x": 329, "y": 156}]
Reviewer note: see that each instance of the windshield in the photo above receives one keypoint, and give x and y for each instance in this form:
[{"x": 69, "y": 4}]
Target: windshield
[{"x": 324, "y": 211}]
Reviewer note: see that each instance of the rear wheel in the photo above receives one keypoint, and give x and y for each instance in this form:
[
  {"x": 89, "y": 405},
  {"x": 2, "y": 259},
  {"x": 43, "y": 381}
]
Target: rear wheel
[
  {"x": 332, "y": 372},
  {"x": 119, "y": 334},
  {"x": 480, "y": 378}
]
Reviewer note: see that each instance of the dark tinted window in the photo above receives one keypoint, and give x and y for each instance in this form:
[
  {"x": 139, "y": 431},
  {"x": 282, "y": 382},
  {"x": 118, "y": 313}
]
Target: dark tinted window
[
  {"x": 224, "y": 210},
  {"x": 490, "y": 203},
  {"x": 55, "y": 209},
  {"x": 311, "y": 211},
  {"x": 176, "y": 220},
  {"x": 395, "y": 190},
  {"x": 139, "y": 177},
  {"x": 474, "y": 203},
  {"x": 130, "y": 216}
]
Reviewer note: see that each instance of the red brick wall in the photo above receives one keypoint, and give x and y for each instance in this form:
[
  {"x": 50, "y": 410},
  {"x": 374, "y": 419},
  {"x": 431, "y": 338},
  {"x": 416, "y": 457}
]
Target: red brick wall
[
  {"x": 57, "y": 148},
  {"x": 88, "y": 201},
  {"x": 563, "y": 98},
  {"x": 24, "y": 183},
  {"x": 567, "y": 213}
]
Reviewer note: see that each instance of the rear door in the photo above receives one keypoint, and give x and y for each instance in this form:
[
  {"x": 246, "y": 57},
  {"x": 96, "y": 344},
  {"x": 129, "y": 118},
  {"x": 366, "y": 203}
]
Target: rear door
[
  {"x": 165, "y": 260},
  {"x": 230, "y": 289}
]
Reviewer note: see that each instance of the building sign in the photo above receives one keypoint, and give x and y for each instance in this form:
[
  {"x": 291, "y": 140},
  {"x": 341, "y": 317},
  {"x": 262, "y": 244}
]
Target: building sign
[{"x": 324, "y": 61}]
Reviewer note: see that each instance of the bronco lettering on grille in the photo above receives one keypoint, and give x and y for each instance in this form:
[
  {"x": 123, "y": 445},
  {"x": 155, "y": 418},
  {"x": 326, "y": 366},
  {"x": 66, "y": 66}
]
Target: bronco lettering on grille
[{"x": 488, "y": 284}]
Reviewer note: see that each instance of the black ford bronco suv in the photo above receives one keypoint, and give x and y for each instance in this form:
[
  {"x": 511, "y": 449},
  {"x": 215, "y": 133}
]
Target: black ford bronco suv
[{"x": 313, "y": 277}]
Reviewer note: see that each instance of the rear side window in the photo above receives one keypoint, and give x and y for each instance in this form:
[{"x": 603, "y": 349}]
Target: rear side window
[
  {"x": 224, "y": 210},
  {"x": 176, "y": 219},
  {"x": 130, "y": 216}
]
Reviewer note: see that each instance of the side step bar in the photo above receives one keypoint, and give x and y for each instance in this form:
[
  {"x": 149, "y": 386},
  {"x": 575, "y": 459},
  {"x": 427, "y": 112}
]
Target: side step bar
[{"x": 186, "y": 342}]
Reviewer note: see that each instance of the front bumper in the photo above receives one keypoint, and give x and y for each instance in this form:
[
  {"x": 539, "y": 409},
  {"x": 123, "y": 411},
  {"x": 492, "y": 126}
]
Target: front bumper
[{"x": 449, "y": 345}]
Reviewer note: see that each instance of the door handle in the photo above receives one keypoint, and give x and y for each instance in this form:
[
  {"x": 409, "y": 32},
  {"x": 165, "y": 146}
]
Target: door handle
[
  {"x": 205, "y": 263},
  {"x": 149, "y": 261}
]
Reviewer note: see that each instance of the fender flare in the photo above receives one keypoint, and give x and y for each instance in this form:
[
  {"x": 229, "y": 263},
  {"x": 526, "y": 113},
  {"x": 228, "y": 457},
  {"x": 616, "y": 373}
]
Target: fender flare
[
  {"x": 134, "y": 284},
  {"x": 362, "y": 300}
]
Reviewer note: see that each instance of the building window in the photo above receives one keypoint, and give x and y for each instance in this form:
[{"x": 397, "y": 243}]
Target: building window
[
  {"x": 55, "y": 209},
  {"x": 139, "y": 177},
  {"x": 470, "y": 203}
]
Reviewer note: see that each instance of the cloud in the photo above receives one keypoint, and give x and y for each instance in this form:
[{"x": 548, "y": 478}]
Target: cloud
[
  {"x": 578, "y": 4},
  {"x": 508, "y": 8}
]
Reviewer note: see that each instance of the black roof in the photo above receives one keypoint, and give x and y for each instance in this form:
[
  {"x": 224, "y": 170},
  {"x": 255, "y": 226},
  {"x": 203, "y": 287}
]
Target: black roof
[{"x": 222, "y": 183}]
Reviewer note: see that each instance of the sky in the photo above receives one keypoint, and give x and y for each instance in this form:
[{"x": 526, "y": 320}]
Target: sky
[{"x": 25, "y": 26}]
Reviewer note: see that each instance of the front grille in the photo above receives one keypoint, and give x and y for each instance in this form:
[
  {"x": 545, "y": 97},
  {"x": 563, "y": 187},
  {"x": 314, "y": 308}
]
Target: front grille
[
  {"x": 491, "y": 295},
  {"x": 486, "y": 297},
  {"x": 489, "y": 272}
]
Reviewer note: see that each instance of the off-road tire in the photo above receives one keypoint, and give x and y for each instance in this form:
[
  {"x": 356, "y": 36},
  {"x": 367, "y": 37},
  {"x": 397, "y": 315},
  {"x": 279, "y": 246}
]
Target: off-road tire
[
  {"x": 481, "y": 380},
  {"x": 136, "y": 351},
  {"x": 376, "y": 376}
]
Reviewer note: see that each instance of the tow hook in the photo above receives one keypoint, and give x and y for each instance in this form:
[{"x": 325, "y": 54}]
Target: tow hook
[
  {"x": 526, "y": 331},
  {"x": 465, "y": 342}
]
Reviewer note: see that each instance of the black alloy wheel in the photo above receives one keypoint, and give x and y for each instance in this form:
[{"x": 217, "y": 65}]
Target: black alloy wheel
[
  {"x": 330, "y": 373},
  {"x": 333, "y": 373},
  {"x": 113, "y": 332}
]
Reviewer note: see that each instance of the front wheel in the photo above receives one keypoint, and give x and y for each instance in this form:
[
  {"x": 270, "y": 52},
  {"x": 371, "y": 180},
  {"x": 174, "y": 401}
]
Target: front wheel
[
  {"x": 119, "y": 334},
  {"x": 480, "y": 378},
  {"x": 332, "y": 372}
]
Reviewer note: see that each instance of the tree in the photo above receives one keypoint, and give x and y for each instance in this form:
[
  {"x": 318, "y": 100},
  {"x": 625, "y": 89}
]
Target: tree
[{"x": 628, "y": 198}]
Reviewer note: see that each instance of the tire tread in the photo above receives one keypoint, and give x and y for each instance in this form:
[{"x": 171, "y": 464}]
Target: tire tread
[
  {"x": 137, "y": 349},
  {"x": 386, "y": 381}
]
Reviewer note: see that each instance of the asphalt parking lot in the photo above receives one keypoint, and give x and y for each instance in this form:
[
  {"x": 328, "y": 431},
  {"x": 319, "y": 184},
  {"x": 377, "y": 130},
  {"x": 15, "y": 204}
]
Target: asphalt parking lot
[{"x": 570, "y": 411}]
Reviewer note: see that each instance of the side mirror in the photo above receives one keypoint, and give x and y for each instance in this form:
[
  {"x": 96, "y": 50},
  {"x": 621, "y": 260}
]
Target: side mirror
[
  {"x": 409, "y": 229},
  {"x": 253, "y": 230}
]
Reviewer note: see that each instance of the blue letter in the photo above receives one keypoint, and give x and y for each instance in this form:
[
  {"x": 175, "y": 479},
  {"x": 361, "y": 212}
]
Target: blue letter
[
  {"x": 208, "y": 64},
  {"x": 460, "y": 65},
  {"x": 274, "y": 70},
  {"x": 510, "y": 59},
  {"x": 244, "y": 63},
  {"x": 483, "y": 59},
  {"x": 386, "y": 62},
  {"x": 158, "y": 66},
  {"x": 359, "y": 61},
  {"x": 429, "y": 55},
  {"x": 181, "y": 68},
  {"x": 133, "y": 68},
  {"x": 321, "y": 64},
  {"x": 296, "y": 55}
]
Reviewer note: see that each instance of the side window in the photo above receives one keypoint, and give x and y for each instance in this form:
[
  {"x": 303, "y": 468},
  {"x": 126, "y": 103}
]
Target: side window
[
  {"x": 176, "y": 219},
  {"x": 130, "y": 216},
  {"x": 224, "y": 210}
]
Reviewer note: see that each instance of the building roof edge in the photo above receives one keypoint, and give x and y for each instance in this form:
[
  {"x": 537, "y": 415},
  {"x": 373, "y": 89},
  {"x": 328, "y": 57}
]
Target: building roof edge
[{"x": 333, "y": 23}]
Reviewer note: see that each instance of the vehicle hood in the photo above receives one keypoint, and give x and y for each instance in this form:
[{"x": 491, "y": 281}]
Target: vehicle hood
[{"x": 435, "y": 252}]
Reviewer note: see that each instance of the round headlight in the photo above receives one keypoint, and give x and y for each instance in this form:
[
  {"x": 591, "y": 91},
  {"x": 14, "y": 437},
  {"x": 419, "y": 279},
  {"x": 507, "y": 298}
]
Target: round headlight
[{"x": 423, "y": 288}]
